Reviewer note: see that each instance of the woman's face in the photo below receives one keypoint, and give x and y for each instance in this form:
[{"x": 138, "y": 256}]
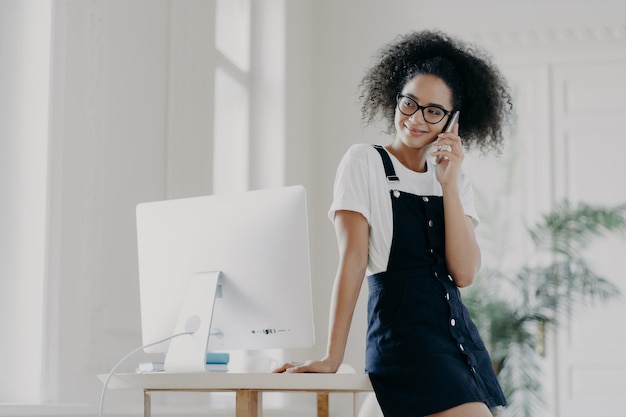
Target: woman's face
[{"x": 426, "y": 90}]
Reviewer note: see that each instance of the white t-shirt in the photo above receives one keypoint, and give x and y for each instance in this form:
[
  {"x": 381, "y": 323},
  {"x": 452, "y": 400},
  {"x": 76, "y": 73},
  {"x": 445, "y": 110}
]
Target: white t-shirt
[{"x": 361, "y": 185}]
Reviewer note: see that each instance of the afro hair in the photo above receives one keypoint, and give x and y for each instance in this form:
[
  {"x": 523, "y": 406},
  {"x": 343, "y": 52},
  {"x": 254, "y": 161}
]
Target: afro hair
[{"x": 480, "y": 92}]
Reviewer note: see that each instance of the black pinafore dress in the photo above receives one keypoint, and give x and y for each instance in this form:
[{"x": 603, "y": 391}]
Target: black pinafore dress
[{"x": 424, "y": 354}]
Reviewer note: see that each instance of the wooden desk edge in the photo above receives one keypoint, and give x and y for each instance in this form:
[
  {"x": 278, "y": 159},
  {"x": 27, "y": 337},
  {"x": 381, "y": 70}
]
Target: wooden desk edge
[{"x": 232, "y": 382}]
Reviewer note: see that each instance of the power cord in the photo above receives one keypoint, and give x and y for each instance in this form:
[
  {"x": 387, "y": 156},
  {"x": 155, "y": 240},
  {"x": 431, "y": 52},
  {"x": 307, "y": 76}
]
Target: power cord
[{"x": 112, "y": 372}]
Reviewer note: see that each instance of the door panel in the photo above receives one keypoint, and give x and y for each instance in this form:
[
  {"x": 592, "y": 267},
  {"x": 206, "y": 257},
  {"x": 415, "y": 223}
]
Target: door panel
[{"x": 589, "y": 158}]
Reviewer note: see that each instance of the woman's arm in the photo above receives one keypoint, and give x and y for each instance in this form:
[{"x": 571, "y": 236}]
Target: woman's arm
[
  {"x": 462, "y": 250},
  {"x": 352, "y": 232}
]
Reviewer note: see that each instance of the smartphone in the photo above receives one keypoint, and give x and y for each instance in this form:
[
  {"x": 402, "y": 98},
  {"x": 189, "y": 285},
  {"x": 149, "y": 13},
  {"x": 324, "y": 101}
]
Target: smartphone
[
  {"x": 453, "y": 120},
  {"x": 449, "y": 127}
]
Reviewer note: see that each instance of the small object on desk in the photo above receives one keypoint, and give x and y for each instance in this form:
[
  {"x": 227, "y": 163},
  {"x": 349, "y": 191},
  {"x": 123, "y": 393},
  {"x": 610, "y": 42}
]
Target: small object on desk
[
  {"x": 215, "y": 362},
  {"x": 150, "y": 367},
  {"x": 217, "y": 357},
  {"x": 147, "y": 367}
]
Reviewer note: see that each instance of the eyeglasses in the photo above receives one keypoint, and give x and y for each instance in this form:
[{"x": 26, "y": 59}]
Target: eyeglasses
[{"x": 432, "y": 114}]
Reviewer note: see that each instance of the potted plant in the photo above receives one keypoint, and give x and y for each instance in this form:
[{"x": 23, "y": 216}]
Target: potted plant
[{"x": 515, "y": 311}]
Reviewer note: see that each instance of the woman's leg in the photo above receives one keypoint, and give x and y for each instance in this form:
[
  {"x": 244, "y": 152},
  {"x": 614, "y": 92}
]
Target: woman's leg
[{"x": 466, "y": 410}]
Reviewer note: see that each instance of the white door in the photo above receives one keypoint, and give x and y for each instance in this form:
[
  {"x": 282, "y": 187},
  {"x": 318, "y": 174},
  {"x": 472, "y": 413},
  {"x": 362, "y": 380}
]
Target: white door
[{"x": 589, "y": 150}]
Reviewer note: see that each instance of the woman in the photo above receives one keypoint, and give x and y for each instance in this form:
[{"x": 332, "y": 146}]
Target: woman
[{"x": 404, "y": 216}]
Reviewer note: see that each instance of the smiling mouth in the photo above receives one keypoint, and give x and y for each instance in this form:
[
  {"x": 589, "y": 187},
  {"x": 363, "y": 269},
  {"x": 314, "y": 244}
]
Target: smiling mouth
[{"x": 414, "y": 131}]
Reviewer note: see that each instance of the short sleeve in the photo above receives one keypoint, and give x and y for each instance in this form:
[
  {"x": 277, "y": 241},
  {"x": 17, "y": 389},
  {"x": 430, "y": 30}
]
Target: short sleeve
[
  {"x": 351, "y": 190},
  {"x": 467, "y": 199}
]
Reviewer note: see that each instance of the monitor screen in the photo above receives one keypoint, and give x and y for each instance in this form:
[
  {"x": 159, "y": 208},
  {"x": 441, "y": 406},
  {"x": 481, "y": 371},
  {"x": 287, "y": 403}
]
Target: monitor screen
[{"x": 257, "y": 240}]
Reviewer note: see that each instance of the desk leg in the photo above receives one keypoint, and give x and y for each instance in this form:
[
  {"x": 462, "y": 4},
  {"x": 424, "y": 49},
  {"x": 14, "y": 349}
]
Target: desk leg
[
  {"x": 322, "y": 404},
  {"x": 248, "y": 403},
  {"x": 147, "y": 403}
]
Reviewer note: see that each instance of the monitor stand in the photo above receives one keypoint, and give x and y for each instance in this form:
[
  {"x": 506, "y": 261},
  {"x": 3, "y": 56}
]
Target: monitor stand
[{"x": 187, "y": 353}]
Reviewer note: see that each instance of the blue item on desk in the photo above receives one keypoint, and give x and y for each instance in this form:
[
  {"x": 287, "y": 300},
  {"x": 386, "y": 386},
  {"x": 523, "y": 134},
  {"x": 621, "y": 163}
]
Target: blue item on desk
[{"x": 217, "y": 358}]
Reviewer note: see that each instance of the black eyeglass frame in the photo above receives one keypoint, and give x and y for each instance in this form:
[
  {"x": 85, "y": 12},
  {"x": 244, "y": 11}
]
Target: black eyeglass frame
[{"x": 400, "y": 96}]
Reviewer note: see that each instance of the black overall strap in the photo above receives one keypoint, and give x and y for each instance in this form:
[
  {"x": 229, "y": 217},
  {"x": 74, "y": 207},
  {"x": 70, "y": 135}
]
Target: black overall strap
[{"x": 389, "y": 171}]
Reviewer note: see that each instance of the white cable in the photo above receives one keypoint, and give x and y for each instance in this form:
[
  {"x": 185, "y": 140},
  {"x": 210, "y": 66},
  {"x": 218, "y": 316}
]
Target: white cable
[{"x": 111, "y": 373}]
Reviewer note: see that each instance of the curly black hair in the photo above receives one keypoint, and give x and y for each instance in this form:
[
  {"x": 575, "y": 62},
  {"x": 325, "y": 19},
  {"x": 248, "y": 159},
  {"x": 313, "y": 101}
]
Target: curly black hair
[{"x": 479, "y": 91}]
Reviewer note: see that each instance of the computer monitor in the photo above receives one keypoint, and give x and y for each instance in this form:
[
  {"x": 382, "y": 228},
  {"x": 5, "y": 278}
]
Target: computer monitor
[{"x": 256, "y": 242}]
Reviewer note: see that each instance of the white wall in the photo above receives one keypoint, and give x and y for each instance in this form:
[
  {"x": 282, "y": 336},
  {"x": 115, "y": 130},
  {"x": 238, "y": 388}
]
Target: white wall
[
  {"x": 24, "y": 54},
  {"x": 108, "y": 141}
]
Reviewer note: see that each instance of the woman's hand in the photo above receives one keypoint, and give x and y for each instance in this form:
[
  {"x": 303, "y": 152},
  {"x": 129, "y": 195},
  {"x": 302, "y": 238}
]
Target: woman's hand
[
  {"x": 450, "y": 158},
  {"x": 323, "y": 366}
]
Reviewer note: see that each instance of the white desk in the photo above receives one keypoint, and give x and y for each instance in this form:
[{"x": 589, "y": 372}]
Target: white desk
[{"x": 248, "y": 387}]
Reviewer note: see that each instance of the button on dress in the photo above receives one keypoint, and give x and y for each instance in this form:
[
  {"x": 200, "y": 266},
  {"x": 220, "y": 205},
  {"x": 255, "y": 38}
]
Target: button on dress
[{"x": 424, "y": 354}]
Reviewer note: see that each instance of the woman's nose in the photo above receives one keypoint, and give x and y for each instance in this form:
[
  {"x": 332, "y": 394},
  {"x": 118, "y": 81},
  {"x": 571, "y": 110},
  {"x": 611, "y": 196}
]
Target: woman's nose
[{"x": 415, "y": 118}]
